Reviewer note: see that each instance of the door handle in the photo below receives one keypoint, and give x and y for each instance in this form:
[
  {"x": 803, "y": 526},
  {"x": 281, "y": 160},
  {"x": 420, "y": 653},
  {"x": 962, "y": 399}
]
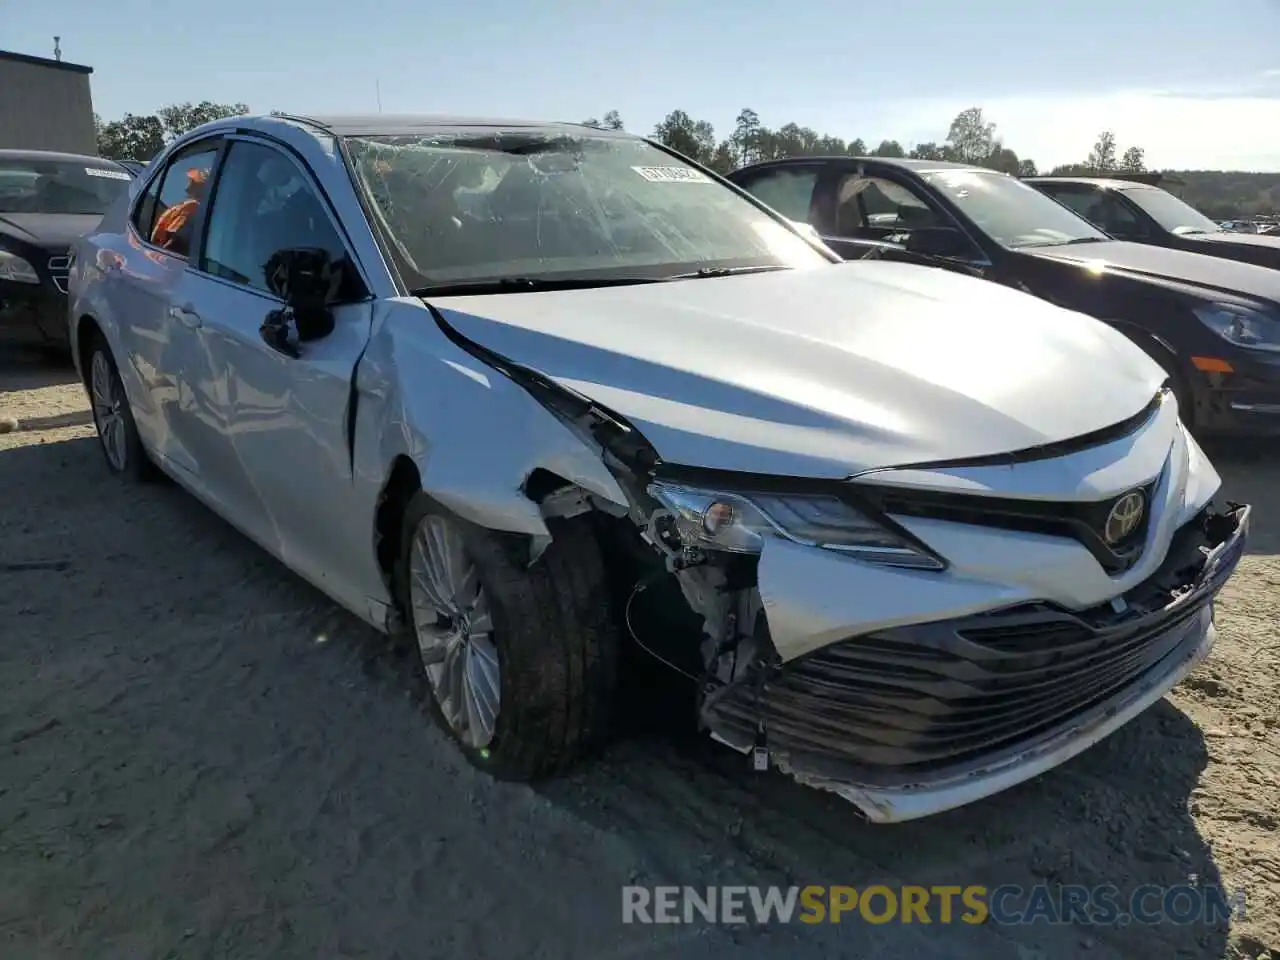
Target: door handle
[{"x": 187, "y": 316}]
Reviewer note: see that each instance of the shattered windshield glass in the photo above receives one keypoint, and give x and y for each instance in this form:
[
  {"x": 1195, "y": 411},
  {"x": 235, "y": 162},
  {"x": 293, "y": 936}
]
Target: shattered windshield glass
[{"x": 495, "y": 204}]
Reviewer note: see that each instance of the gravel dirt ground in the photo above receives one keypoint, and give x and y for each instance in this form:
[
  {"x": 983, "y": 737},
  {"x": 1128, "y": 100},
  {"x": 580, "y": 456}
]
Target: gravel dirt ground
[{"x": 200, "y": 756}]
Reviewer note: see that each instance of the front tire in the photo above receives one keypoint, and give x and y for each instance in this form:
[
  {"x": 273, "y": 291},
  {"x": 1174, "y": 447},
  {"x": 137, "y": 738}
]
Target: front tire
[
  {"x": 520, "y": 659},
  {"x": 113, "y": 418}
]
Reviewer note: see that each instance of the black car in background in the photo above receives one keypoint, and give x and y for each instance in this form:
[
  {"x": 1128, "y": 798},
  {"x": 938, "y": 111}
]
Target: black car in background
[
  {"x": 1214, "y": 325},
  {"x": 136, "y": 167},
  {"x": 47, "y": 200},
  {"x": 1147, "y": 214}
]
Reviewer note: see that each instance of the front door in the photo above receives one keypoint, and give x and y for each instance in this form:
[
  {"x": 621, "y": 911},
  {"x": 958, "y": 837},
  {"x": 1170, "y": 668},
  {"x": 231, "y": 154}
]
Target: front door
[{"x": 283, "y": 420}]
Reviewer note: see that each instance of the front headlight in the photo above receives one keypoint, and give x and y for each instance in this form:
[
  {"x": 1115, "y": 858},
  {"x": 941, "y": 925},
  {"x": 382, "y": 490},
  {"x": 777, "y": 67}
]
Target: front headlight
[
  {"x": 740, "y": 522},
  {"x": 13, "y": 267},
  {"x": 1241, "y": 325}
]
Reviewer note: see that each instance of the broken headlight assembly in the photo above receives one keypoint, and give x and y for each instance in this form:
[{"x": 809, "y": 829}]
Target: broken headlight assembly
[{"x": 741, "y": 522}]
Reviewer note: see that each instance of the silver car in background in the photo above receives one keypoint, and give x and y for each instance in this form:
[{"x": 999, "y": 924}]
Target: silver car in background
[{"x": 520, "y": 393}]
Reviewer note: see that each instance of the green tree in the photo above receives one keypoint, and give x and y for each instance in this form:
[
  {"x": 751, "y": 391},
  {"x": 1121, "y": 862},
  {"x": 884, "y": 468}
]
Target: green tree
[
  {"x": 1133, "y": 161},
  {"x": 179, "y": 118},
  {"x": 971, "y": 138},
  {"x": 694, "y": 138},
  {"x": 745, "y": 139},
  {"x": 612, "y": 121},
  {"x": 930, "y": 151},
  {"x": 1102, "y": 158},
  {"x": 1026, "y": 167},
  {"x": 132, "y": 137},
  {"x": 1003, "y": 159},
  {"x": 725, "y": 159},
  {"x": 889, "y": 148}
]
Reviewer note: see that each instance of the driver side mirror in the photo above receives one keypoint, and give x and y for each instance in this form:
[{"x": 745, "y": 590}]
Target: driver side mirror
[
  {"x": 945, "y": 242},
  {"x": 307, "y": 279}
]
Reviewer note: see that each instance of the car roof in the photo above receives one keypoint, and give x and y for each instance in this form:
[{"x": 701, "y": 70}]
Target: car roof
[
  {"x": 51, "y": 155},
  {"x": 1106, "y": 183},
  {"x": 906, "y": 163},
  {"x": 392, "y": 125}
]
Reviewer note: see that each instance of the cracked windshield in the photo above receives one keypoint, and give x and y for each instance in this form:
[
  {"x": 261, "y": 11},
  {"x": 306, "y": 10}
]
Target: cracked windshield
[{"x": 512, "y": 204}]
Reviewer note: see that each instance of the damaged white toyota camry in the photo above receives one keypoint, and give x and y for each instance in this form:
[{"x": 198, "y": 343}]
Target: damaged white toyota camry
[{"x": 527, "y": 392}]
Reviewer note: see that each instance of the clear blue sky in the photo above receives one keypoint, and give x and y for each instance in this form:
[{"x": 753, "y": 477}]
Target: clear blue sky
[{"x": 1050, "y": 75}]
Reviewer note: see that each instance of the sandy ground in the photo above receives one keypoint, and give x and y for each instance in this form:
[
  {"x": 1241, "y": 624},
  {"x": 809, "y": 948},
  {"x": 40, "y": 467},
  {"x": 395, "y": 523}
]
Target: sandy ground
[{"x": 201, "y": 757}]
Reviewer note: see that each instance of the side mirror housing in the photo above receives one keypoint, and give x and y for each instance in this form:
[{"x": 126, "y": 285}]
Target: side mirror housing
[{"x": 307, "y": 279}]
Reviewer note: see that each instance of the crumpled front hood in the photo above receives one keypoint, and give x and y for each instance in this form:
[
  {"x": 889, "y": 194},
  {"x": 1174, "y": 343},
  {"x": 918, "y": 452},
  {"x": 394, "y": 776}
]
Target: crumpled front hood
[{"x": 823, "y": 372}]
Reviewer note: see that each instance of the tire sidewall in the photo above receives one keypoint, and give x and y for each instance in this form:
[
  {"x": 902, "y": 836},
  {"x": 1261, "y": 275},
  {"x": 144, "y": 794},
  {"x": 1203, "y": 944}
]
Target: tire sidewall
[
  {"x": 490, "y": 757},
  {"x": 137, "y": 465}
]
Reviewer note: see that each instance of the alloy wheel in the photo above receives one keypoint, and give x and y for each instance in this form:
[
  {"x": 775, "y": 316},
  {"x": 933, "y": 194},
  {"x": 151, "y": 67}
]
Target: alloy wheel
[
  {"x": 108, "y": 402},
  {"x": 453, "y": 625}
]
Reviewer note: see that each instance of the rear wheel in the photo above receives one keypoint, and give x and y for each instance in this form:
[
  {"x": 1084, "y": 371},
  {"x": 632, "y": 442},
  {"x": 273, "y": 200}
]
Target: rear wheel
[
  {"x": 520, "y": 660},
  {"x": 117, "y": 431}
]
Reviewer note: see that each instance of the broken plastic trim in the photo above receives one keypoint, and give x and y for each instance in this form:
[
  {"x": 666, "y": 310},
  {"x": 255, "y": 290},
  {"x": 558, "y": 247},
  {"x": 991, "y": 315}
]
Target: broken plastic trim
[{"x": 846, "y": 491}]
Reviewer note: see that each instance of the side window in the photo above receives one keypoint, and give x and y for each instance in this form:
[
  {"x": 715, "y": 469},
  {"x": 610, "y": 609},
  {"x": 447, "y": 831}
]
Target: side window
[
  {"x": 874, "y": 208},
  {"x": 144, "y": 214},
  {"x": 788, "y": 191},
  {"x": 263, "y": 204},
  {"x": 1081, "y": 200},
  {"x": 1118, "y": 220},
  {"x": 182, "y": 190}
]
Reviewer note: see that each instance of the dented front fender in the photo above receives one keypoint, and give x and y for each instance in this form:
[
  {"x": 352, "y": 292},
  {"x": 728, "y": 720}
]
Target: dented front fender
[{"x": 474, "y": 434}]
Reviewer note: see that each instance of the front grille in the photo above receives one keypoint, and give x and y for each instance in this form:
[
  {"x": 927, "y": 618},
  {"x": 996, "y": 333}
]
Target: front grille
[
  {"x": 921, "y": 698},
  {"x": 1083, "y": 522},
  {"x": 59, "y": 270}
]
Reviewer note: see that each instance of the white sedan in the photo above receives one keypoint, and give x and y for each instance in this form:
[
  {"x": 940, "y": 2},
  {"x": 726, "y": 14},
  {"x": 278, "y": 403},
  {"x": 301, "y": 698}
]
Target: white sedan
[{"x": 520, "y": 393}]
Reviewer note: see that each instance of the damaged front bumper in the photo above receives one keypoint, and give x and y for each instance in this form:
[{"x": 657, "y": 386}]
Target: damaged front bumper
[{"x": 914, "y": 720}]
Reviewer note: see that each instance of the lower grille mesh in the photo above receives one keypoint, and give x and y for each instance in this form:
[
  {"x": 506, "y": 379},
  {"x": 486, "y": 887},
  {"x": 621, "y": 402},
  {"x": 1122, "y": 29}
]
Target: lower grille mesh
[{"x": 931, "y": 696}]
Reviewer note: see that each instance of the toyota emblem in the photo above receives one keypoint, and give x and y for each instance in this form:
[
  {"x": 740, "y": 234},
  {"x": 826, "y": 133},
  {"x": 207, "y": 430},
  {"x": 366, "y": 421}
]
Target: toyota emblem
[{"x": 1126, "y": 513}]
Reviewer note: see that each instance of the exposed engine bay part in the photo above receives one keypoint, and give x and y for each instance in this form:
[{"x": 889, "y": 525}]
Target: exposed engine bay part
[
  {"x": 914, "y": 720},
  {"x": 718, "y": 588}
]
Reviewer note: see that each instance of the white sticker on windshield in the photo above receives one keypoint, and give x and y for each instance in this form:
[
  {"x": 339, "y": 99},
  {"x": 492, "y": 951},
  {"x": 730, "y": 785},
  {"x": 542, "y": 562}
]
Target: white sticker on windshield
[
  {"x": 108, "y": 174},
  {"x": 672, "y": 175}
]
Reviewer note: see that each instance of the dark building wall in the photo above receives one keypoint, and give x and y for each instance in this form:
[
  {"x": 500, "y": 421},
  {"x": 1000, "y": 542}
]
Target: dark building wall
[{"x": 45, "y": 105}]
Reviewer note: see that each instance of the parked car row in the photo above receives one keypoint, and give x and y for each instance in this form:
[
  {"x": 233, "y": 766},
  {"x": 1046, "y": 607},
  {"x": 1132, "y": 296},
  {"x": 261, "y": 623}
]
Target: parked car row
[
  {"x": 47, "y": 200},
  {"x": 915, "y": 527},
  {"x": 1212, "y": 322}
]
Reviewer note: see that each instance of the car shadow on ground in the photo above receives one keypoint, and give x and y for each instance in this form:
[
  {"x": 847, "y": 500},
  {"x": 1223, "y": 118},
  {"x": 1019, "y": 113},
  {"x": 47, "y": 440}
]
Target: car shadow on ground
[
  {"x": 30, "y": 368},
  {"x": 1117, "y": 815},
  {"x": 695, "y": 815}
]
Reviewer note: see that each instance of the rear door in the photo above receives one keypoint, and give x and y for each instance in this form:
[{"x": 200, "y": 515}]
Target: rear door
[
  {"x": 159, "y": 339},
  {"x": 282, "y": 420}
]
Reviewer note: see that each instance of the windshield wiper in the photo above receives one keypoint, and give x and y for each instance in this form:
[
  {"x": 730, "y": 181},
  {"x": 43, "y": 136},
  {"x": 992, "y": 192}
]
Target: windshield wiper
[
  {"x": 1066, "y": 243},
  {"x": 460, "y": 288},
  {"x": 726, "y": 272}
]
